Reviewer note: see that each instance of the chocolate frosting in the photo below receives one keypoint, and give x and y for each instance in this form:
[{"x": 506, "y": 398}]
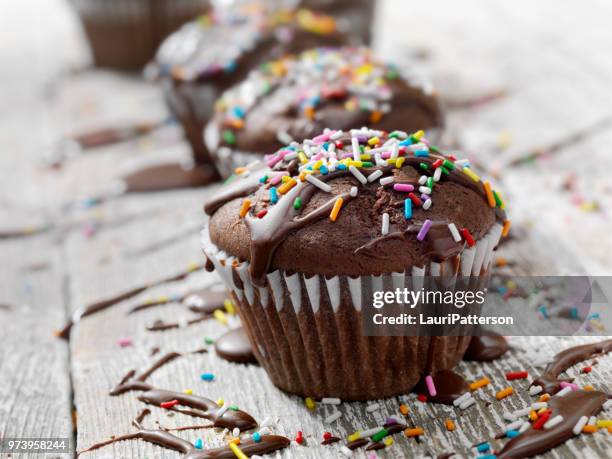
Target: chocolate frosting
[
  {"x": 305, "y": 239},
  {"x": 300, "y": 96}
]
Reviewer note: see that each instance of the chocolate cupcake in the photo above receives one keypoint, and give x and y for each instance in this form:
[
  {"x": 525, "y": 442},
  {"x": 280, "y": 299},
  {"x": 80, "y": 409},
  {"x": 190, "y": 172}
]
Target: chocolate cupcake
[
  {"x": 205, "y": 57},
  {"x": 303, "y": 239},
  {"x": 124, "y": 34},
  {"x": 297, "y": 97}
]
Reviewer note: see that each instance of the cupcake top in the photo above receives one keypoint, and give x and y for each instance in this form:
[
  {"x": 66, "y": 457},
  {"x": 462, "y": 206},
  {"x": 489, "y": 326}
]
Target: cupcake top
[
  {"x": 225, "y": 41},
  {"x": 363, "y": 202},
  {"x": 297, "y": 97}
]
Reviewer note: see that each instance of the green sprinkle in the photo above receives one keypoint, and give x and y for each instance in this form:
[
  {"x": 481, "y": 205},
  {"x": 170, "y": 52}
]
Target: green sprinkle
[
  {"x": 367, "y": 164},
  {"x": 380, "y": 435},
  {"x": 424, "y": 166},
  {"x": 449, "y": 165},
  {"x": 434, "y": 149},
  {"x": 498, "y": 200},
  {"x": 394, "y": 135},
  {"x": 233, "y": 407},
  {"x": 430, "y": 183},
  {"x": 208, "y": 340},
  {"x": 297, "y": 204},
  {"x": 445, "y": 171},
  {"x": 229, "y": 137},
  {"x": 230, "y": 179}
]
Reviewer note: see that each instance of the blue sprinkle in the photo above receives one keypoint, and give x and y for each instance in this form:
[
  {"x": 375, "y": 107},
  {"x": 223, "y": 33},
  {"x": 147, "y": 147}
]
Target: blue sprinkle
[
  {"x": 238, "y": 112},
  {"x": 594, "y": 316},
  {"x": 574, "y": 313},
  {"x": 512, "y": 433},
  {"x": 198, "y": 443},
  {"x": 231, "y": 67},
  {"x": 341, "y": 167},
  {"x": 407, "y": 209},
  {"x": 273, "y": 195},
  {"x": 483, "y": 447},
  {"x": 256, "y": 437},
  {"x": 405, "y": 143},
  {"x": 544, "y": 312},
  {"x": 503, "y": 290},
  {"x": 487, "y": 456},
  {"x": 323, "y": 169},
  {"x": 207, "y": 376},
  {"x": 421, "y": 153}
]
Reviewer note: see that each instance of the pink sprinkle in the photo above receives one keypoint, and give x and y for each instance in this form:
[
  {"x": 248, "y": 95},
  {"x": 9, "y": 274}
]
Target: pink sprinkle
[
  {"x": 424, "y": 230},
  {"x": 125, "y": 342},
  {"x": 385, "y": 155},
  {"x": 272, "y": 162},
  {"x": 565, "y": 384},
  {"x": 403, "y": 187},
  {"x": 347, "y": 155},
  {"x": 431, "y": 387},
  {"x": 277, "y": 178},
  {"x": 321, "y": 138},
  {"x": 317, "y": 157}
]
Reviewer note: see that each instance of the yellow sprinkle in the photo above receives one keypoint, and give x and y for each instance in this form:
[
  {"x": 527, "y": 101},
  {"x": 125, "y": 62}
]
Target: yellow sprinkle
[
  {"x": 365, "y": 157},
  {"x": 220, "y": 316},
  {"x": 246, "y": 205},
  {"x": 542, "y": 410},
  {"x": 336, "y": 209},
  {"x": 506, "y": 229},
  {"x": 356, "y": 163},
  {"x": 163, "y": 298},
  {"x": 590, "y": 429},
  {"x": 392, "y": 161},
  {"x": 544, "y": 397},
  {"x": 490, "y": 197},
  {"x": 399, "y": 162},
  {"x": 404, "y": 410},
  {"x": 309, "y": 402},
  {"x": 229, "y": 307},
  {"x": 504, "y": 393},
  {"x": 588, "y": 388},
  {"x": 149, "y": 300},
  {"x": 303, "y": 157},
  {"x": 450, "y": 425},
  {"x": 354, "y": 436},
  {"x": 467, "y": 171},
  {"x": 192, "y": 266},
  {"x": 188, "y": 391},
  {"x": 240, "y": 170},
  {"x": 220, "y": 402},
  {"x": 480, "y": 383},
  {"x": 285, "y": 187},
  {"x": 418, "y": 135},
  {"x": 388, "y": 441},
  {"x": 413, "y": 432},
  {"x": 604, "y": 423},
  {"x": 373, "y": 141},
  {"x": 318, "y": 165}
]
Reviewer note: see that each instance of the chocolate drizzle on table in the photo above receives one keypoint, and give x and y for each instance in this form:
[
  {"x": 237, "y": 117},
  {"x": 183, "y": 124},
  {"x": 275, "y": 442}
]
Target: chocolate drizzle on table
[
  {"x": 549, "y": 379},
  {"x": 571, "y": 407},
  {"x": 486, "y": 348},
  {"x": 234, "y": 346},
  {"x": 268, "y": 231},
  {"x": 168, "y": 177},
  {"x": 449, "y": 387}
]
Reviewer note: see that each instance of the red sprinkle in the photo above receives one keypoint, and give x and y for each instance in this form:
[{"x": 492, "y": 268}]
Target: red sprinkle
[
  {"x": 437, "y": 163},
  {"x": 542, "y": 420},
  {"x": 169, "y": 404},
  {"x": 415, "y": 199},
  {"x": 262, "y": 213},
  {"x": 299, "y": 438},
  {"x": 422, "y": 398},
  {"x": 516, "y": 375},
  {"x": 468, "y": 237},
  {"x": 453, "y": 158},
  {"x": 339, "y": 145},
  {"x": 587, "y": 369},
  {"x": 326, "y": 435}
]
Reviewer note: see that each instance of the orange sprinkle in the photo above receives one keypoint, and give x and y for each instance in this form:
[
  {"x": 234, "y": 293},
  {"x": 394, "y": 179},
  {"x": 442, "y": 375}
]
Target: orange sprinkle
[
  {"x": 414, "y": 432},
  {"x": 501, "y": 262},
  {"x": 450, "y": 425},
  {"x": 240, "y": 170},
  {"x": 285, "y": 187},
  {"x": 480, "y": 383},
  {"x": 610, "y": 429},
  {"x": 336, "y": 210},
  {"x": 504, "y": 393},
  {"x": 590, "y": 429},
  {"x": 533, "y": 415},
  {"x": 237, "y": 123},
  {"x": 246, "y": 205},
  {"x": 490, "y": 197},
  {"x": 309, "y": 112},
  {"x": 235, "y": 441},
  {"x": 506, "y": 228},
  {"x": 588, "y": 388},
  {"x": 404, "y": 410},
  {"x": 544, "y": 398},
  {"x": 375, "y": 116}
]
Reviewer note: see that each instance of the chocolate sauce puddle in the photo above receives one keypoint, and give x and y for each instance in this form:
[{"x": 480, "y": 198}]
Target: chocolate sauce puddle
[
  {"x": 549, "y": 379},
  {"x": 105, "y": 304},
  {"x": 486, "y": 348},
  {"x": 572, "y": 407},
  {"x": 449, "y": 387},
  {"x": 234, "y": 346},
  {"x": 168, "y": 177}
]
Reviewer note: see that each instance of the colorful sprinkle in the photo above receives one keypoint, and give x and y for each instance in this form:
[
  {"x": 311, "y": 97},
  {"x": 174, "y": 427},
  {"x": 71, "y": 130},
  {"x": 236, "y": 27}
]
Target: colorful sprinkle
[
  {"x": 510, "y": 376},
  {"x": 336, "y": 209},
  {"x": 424, "y": 230},
  {"x": 504, "y": 393},
  {"x": 207, "y": 376},
  {"x": 244, "y": 209}
]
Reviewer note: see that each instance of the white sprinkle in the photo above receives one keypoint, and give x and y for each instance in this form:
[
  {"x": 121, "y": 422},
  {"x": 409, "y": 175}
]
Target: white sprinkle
[
  {"x": 427, "y": 204},
  {"x": 354, "y": 191},
  {"x": 222, "y": 410},
  {"x": 553, "y": 422},
  {"x": 385, "y": 224},
  {"x": 379, "y": 160},
  {"x": 535, "y": 390},
  {"x": 580, "y": 425},
  {"x": 266, "y": 422},
  {"x": 356, "y": 149},
  {"x": 395, "y": 150},
  {"x": 386, "y": 181},
  {"x": 401, "y": 134},
  {"x": 437, "y": 174},
  {"x": 284, "y": 137},
  {"x": 509, "y": 417},
  {"x": 347, "y": 452},
  {"x": 358, "y": 175},
  {"x": 524, "y": 427},
  {"x": 425, "y": 189},
  {"x": 454, "y": 232},
  {"x": 318, "y": 183},
  {"x": 307, "y": 150},
  {"x": 291, "y": 156},
  {"x": 462, "y": 162},
  {"x": 423, "y": 179},
  {"x": 466, "y": 404},
  {"x": 236, "y": 432},
  {"x": 375, "y": 175},
  {"x": 563, "y": 392},
  {"x": 607, "y": 405},
  {"x": 372, "y": 408},
  {"x": 539, "y": 405},
  {"x": 336, "y": 135},
  {"x": 194, "y": 300},
  {"x": 522, "y": 412},
  {"x": 265, "y": 431},
  {"x": 515, "y": 425},
  {"x": 331, "y": 401},
  {"x": 458, "y": 401},
  {"x": 333, "y": 417},
  {"x": 592, "y": 420}
]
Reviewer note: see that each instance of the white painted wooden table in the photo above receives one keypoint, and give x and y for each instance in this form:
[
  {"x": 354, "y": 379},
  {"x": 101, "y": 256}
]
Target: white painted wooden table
[{"x": 551, "y": 62}]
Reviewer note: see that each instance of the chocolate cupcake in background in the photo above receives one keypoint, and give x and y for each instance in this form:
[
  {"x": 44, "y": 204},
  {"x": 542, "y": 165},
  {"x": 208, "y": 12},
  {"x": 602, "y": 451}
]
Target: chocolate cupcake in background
[
  {"x": 303, "y": 239},
  {"x": 208, "y": 55},
  {"x": 125, "y": 34},
  {"x": 298, "y": 97}
]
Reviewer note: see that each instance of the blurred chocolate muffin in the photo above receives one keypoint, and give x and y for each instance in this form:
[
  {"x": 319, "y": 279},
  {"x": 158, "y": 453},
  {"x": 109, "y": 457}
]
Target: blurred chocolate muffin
[
  {"x": 298, "y": 96},
  {"x": 207, "y": 56},
  {"x": 124, "y": 34}
]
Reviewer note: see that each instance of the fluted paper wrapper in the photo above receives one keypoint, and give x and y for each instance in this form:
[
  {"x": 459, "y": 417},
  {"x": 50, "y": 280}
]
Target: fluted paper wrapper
[{"x": 307, "y": 331}]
